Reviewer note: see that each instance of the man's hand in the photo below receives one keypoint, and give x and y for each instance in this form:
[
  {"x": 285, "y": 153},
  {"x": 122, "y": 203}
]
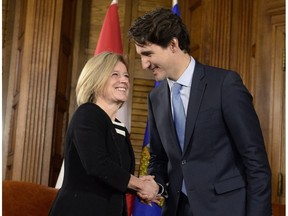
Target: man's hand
[{"x": 149, "y": 193}]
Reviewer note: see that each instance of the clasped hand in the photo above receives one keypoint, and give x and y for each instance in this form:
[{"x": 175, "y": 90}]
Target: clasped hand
[{"x": 149, "y": 193}]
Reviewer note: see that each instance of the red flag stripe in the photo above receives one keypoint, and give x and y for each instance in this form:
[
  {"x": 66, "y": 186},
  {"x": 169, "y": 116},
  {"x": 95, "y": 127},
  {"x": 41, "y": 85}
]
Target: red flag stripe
[{"x": 110, "y": 35}]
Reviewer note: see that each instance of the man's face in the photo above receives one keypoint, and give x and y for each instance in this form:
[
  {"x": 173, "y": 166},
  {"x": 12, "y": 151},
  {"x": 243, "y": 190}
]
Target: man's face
[{"x": 156, "y": 59}]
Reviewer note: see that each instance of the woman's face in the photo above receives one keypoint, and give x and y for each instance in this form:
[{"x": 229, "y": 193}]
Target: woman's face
[{"x": 117, "y": 87}]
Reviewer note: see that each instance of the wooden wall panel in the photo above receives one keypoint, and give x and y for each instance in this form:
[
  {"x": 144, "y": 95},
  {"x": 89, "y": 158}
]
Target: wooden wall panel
[
  {"x": 12, "y": 93},
  {"x": 194, "y": 25},
  {"x": 8, "y": 12},
  {"x": 37, "y": 93},
  {"x": 62, "y": 101},
  {"x": 220, "y": 33},
  {"x": 28, "y": 119},
  {"x": 269, "y": 89},
  {"x": 277, "y": 116},
  {"x": 139, "y": 115},
  {"x": 241, "y": 45}
]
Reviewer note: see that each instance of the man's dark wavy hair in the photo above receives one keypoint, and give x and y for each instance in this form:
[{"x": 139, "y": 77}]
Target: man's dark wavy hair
[{"x": 159, "y": 27}]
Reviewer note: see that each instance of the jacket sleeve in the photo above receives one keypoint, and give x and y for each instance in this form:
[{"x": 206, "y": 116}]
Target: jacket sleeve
[
  {"x": 92, "y": 135},
  {"x": 158, "y": 159},
  {"x": 245, "y": 130}
]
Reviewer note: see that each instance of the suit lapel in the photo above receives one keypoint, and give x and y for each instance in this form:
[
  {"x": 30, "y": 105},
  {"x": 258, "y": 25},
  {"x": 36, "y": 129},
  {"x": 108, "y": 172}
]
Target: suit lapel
[
  {"x": 197, "y": 90},
  {"x": 164, "y": 119}
]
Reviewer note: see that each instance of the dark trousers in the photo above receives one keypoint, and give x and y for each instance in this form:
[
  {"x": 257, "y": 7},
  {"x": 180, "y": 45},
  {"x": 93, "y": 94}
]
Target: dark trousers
[{"x": 183, "y": 206}]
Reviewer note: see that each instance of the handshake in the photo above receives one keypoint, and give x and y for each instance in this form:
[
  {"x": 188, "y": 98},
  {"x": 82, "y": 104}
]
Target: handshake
[{"x": 147, "y": 189}]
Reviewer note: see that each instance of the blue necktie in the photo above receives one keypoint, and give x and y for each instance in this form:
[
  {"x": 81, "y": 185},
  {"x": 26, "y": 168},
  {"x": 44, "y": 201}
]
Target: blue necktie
[
  {"x": 179, "y": 113},
  {"x": 179, "y": 119}
]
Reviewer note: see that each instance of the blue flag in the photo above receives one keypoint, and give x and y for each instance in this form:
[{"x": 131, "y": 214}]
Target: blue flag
[
  {"x": 175, "y": 7},
  {"x": 141, "y": 209}
]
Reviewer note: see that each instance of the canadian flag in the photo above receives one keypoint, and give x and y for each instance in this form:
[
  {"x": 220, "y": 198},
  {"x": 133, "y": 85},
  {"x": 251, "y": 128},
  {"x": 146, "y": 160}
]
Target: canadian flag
[{"x": 110, "y": 35}]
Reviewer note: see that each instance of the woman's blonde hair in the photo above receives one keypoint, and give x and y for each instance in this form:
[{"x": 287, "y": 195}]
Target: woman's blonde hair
[{"x": 94, "y": 76}]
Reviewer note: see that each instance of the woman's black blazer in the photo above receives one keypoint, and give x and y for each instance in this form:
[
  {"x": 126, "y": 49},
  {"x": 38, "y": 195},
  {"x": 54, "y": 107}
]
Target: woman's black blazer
[{"x": 94, "y": 182}]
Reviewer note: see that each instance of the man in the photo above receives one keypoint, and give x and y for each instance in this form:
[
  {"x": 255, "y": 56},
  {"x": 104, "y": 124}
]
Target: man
[{"x": 213, "y": 161}]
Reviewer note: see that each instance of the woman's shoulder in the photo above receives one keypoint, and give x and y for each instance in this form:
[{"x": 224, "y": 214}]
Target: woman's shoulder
[
  {"x": 90, "y": 110},
  {"x": 89, "y": 115},
  {"x": 89, "y": 107}
]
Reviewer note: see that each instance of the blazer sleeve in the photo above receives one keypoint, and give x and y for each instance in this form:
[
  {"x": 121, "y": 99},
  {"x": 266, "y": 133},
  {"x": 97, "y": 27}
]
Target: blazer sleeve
[
  {"x": 244, "y": 126},
  {"x": 158, "y": 159},
  {"x": 91, "y": 131}
]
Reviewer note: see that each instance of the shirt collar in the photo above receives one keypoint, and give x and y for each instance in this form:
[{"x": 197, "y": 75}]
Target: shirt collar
[{"x": 186, "y": 78}]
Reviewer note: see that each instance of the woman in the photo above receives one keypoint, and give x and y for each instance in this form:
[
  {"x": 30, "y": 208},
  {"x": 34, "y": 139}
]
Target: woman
[{"x": 99, "y": 159}]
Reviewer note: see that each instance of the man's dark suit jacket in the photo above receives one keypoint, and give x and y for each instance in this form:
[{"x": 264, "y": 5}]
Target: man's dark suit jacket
[
  {"x": 94, "y": 180},
  {"x": 224, "y": 162}
]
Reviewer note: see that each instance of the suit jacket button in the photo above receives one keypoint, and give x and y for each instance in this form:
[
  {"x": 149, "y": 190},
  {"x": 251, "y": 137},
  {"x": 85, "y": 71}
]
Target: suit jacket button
[{"x": 183, "y": 162}]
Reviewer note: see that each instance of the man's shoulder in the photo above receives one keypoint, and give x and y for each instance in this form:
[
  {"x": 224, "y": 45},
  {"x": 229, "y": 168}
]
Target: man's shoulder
[
  {"x": 214, "y": 71},
  {"x": 211, "y": 68}
]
